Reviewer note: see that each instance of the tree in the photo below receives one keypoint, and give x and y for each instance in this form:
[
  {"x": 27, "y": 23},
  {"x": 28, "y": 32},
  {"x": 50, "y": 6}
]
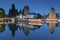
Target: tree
[
  {"x": 19, "y": 12},
  {"x": 39, "y": 16},
  {"x": 2, "y": 13},
  {"x": 12, "y": 12}
]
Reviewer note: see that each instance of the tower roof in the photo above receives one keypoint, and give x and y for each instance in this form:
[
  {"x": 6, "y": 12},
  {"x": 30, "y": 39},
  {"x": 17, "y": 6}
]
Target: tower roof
[
  {"x": 52, "y": 8},
  {"x": 26, "y": 7},
  {"x": 13, "y": 6}
]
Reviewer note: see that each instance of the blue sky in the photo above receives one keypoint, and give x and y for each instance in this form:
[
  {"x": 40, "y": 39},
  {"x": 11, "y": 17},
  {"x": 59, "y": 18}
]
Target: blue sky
[{"x": 38, "y": 6}]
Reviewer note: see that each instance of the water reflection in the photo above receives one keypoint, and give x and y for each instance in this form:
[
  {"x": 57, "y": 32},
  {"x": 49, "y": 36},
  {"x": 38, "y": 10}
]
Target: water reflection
[
  {"x": 26, "y": 27},
  {"x": 13, "y": 28},
  {"x": 2, "y": 27}
]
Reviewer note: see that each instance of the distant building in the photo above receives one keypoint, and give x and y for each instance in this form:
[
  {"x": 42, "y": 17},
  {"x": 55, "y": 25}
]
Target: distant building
[
  {"x": 30, "y": 15},
  {"x": 26, "y": 10},
  {"x": 26, "y": 13},
  {"x": 27, "y": 16}
]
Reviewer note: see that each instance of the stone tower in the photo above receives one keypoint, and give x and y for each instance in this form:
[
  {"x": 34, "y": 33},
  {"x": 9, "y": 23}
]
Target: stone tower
[
  {"x": 52, "y": 14},
  {"x": 26, "y": 9}
]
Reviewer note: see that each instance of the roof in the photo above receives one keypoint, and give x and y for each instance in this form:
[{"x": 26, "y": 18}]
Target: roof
[
  {"x": 26, "y": 6},
  {"x": 52, "y": 8},
  {"x": 32, "y": 13}
]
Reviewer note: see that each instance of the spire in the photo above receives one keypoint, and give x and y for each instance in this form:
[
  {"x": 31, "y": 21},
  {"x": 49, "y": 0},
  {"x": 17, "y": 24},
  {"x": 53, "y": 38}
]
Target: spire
[
  {"x": 52, "y": 8},
  {"x": 13, "y": 6}
]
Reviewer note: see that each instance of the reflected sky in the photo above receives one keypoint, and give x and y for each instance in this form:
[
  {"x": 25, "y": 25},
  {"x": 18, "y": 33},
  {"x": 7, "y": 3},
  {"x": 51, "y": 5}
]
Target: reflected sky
[{"x": 41, "y": 33}]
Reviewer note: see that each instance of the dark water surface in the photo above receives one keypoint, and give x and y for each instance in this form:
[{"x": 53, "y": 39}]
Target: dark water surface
[{"x": 14, "y": 32}]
